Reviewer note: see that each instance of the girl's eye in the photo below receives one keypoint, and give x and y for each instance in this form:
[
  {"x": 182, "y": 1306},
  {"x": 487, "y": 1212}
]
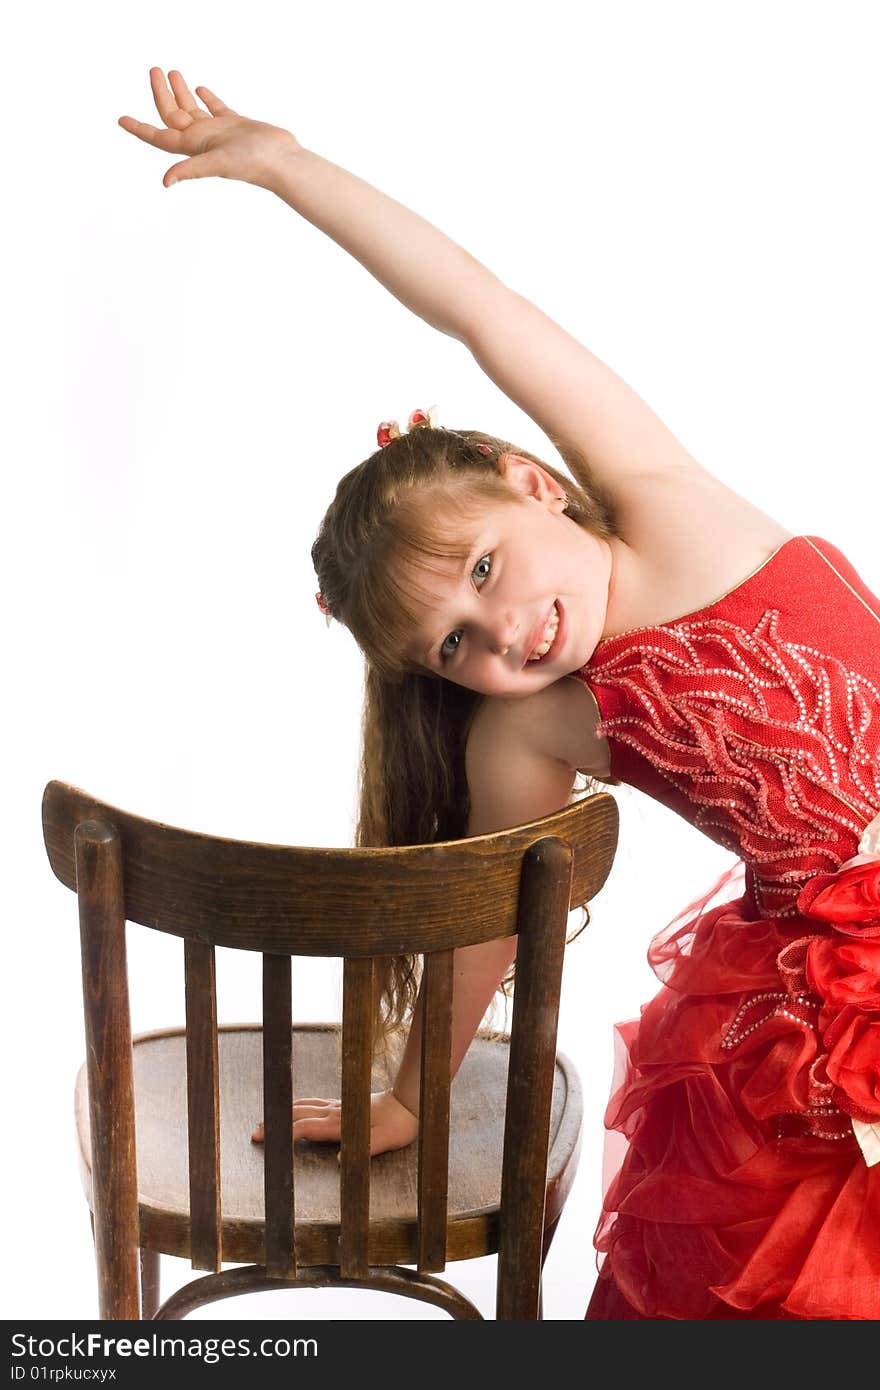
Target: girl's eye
[
  {"x": 446, "y": 651},
  {"x": 488, "y": 560}
]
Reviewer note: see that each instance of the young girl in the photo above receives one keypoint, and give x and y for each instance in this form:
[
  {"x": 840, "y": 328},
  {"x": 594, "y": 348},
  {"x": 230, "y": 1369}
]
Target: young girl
[{"x": 642, "y": 624}]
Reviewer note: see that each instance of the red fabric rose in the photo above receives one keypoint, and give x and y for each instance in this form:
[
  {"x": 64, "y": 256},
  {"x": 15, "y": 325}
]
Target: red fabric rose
[
  {"x": 853, "y": 1066},
  {"x": 844, "y": 970},
  {"x": 849, "y": 899}
]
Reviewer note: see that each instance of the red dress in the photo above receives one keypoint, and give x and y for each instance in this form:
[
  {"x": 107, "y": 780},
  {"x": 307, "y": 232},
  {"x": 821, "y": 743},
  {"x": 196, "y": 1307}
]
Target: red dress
[{"x": 744, "y": 1191}]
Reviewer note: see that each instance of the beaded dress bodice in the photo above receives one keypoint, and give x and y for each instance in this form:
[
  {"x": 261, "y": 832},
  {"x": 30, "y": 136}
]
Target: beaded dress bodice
[{"x": 757, "y": 717}]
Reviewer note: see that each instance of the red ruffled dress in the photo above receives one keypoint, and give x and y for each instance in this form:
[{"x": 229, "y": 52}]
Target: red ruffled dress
[{"x": 749, "y": 1090}]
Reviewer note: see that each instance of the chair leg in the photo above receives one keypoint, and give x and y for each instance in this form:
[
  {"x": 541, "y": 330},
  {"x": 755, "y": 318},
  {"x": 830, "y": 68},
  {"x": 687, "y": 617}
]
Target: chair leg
[
  {"x": 113, "y": 1274},
  {"x": 150, "y": 1268}
]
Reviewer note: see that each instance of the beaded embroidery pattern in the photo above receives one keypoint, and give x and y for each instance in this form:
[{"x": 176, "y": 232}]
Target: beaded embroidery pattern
[{"x": 700, "y": 690}]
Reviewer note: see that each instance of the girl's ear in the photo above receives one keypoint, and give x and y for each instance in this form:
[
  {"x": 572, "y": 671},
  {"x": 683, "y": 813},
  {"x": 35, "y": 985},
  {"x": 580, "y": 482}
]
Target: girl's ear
[{"x": 532, "y": 480}]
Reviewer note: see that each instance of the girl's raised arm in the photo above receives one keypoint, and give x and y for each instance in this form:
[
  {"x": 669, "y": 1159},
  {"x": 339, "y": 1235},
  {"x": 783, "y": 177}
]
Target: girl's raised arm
[{"x": 605, "y": 432}]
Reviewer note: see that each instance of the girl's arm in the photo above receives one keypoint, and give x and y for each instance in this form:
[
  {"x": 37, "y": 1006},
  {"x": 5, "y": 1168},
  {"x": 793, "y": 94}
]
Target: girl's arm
[
  {"x": 423, "y": 268},
  {"x": 603, "y": 429},
  {"x": 511, "y": 781},
  {"x": 477, "y": 973},
  {"x": 605, "y": 432}
]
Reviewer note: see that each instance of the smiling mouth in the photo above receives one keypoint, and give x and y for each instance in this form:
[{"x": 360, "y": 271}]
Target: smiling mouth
[{"x": 552, "y": 629}]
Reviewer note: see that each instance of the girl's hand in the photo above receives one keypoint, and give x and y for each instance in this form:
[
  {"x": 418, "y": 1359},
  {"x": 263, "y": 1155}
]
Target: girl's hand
[
  {"x": 216, "y": 142},
  {"x": 392, "y": 1126}
]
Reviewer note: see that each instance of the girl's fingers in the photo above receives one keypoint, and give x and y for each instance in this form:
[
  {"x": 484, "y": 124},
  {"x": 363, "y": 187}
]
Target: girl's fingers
[
  {"x": 314, "y": 1108},
  {"x": 302, "y": 1111},
  {"x": 213, "y": 103},
  {"x": 166, "y": 103},
  {"x": 323, "y": 1130},
  {"x": 163, "y": 139},
  {"x": 183, "y": 96}
]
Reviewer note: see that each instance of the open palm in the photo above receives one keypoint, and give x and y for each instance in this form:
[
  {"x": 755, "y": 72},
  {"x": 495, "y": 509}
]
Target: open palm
[{"x": 217, "y": 143}]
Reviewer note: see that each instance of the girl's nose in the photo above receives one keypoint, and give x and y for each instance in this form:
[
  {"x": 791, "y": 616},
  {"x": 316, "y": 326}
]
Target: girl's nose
[{"x": 502, "y": 634}]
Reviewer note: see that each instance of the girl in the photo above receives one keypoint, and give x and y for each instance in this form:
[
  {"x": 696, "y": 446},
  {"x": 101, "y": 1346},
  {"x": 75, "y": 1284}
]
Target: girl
[{"x": 642, "y": 624}]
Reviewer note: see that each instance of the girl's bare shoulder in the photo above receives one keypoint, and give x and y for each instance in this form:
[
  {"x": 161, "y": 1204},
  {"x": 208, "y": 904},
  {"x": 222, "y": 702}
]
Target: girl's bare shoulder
[{"x": 686, "y": 539}]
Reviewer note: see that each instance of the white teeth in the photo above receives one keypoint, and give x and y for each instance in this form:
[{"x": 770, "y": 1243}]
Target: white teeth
[{"x": 546, "y": 642}]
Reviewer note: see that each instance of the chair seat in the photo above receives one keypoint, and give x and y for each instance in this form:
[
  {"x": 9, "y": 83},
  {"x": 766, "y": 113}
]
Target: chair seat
[{"x": 475, "y": 1149}]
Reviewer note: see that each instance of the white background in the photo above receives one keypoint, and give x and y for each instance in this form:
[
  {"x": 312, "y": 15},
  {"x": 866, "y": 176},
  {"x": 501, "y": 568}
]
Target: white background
[{"x": 689, "y": 188}]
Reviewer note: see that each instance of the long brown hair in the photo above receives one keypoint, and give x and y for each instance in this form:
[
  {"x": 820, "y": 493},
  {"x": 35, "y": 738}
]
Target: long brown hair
[{"x": 396, "y": 513}]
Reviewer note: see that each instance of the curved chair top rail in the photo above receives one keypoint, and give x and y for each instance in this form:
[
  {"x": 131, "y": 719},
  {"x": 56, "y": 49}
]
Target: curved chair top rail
[{"x": 298, "y": 900}]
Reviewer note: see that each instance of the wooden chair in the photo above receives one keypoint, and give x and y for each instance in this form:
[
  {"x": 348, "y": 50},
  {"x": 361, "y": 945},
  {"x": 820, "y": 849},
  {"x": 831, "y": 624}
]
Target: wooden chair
[{"x": 495, "y": 1156}]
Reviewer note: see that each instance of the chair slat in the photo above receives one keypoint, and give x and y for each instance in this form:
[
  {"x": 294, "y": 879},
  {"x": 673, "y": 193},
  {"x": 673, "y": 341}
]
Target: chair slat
[
  {"x": 203, "y": 1105},
  {"x": 542, "y": 920},
  {"x": 280, "y": 1254},
  {"x": 435, "y": 1080},
  {"x": 354, "y": 1193}
]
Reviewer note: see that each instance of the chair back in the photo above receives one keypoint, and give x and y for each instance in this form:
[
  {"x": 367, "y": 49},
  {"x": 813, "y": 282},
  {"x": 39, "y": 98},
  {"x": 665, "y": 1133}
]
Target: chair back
[{"x": 357, "y": 904}]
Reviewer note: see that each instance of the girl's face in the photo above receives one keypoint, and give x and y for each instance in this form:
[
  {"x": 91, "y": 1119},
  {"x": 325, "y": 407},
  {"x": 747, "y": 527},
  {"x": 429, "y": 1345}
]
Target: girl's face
[{"x": 533, "y": 577}]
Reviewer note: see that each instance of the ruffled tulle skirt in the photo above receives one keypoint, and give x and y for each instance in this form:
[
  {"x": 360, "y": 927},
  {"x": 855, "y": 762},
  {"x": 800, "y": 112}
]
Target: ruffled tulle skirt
[{"x": 734, "y": 1189}]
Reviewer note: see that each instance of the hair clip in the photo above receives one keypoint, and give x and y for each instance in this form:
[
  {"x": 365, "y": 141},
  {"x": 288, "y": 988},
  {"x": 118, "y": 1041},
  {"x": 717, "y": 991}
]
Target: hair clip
[
  {"x": 388, "y": 430},
  {"x": 419, "y": 419},
  {"x": 322, "y": 604}
]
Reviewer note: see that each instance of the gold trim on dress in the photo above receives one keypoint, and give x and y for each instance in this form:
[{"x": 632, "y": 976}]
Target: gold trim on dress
[{"x": 841, "y": 578}]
